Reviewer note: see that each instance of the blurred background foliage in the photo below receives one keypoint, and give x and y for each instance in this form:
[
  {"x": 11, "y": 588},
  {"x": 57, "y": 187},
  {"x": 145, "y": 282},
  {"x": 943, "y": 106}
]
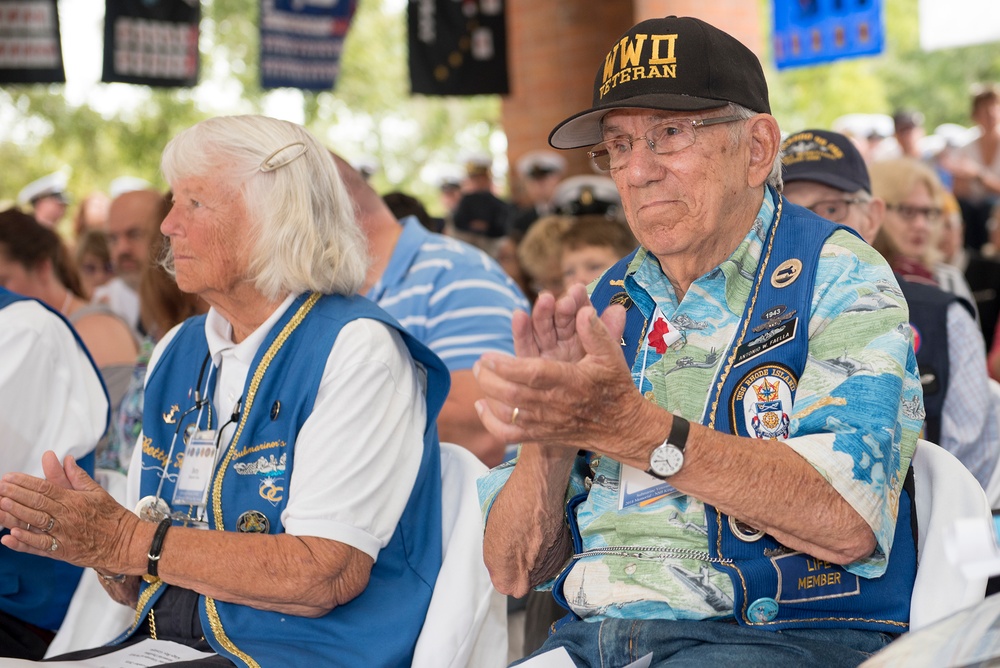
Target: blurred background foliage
[{"x": 371, "y": 114}]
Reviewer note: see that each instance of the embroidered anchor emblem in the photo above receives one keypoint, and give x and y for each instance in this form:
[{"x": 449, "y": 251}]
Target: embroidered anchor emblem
[{"x": 169, "y": 417}]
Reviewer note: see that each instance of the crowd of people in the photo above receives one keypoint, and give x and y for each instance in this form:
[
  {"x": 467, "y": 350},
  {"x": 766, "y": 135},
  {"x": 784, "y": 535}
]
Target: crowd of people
[{"x": 698, "y": 376}]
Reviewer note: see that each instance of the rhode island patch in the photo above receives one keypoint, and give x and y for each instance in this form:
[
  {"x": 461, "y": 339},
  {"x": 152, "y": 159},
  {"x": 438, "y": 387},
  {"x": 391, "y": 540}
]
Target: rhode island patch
[{"x": 761, "y": 402}]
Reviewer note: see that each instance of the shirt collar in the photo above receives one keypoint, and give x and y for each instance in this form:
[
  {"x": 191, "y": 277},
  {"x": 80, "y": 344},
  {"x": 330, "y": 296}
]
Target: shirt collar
[
  {"x": 219, "y": 333},
  {"x": 405, "y": 252},
  {"x": 645, "y": 269}
]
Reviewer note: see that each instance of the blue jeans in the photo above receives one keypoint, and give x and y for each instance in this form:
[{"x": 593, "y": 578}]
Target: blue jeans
[{"x": 613, "y": 643}]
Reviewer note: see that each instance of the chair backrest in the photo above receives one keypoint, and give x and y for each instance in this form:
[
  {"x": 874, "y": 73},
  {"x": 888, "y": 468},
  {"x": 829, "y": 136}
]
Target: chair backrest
[
  {"x": 944, "y": 492},
  {"x": 466, "y": 623},
  {"x": 993, "y": 486}
]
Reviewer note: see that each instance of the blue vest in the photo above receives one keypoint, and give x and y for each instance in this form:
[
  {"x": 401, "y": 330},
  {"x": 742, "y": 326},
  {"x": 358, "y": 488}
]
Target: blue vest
[
  {"x": 929, "y": 321},
  {"x": 35, "y": 589},
  {"x": 776, "y": 588},
  {"x": 381, "y": 625}
]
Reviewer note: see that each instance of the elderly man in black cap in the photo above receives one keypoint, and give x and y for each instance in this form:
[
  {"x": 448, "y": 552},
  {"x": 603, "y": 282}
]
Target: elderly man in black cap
[
  {"x": 824, "y": 172},
  {"x": 740, "y": 471}
]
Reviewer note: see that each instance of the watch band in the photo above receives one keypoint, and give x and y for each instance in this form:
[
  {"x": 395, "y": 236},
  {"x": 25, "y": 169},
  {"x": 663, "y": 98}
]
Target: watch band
[
  {"x": 157, "y": 547},
  {"x": 679, "y": 432}
]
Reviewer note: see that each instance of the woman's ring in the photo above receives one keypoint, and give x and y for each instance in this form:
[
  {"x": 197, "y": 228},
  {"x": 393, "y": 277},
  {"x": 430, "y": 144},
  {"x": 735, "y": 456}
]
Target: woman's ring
[
  {"x": 28, "y": 528},
  {"x": 48, "y": 527},
  {"x": 513, "y": 418},
  {"x": 55, "y": 546}
]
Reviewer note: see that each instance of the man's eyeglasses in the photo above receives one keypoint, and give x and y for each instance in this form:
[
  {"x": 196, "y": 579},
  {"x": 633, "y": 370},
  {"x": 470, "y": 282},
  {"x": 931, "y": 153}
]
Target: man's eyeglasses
[
  {"x": 910, "y": 213},
  {"x": 667, "y": 137},
  {"x": 835, "y": 210}
]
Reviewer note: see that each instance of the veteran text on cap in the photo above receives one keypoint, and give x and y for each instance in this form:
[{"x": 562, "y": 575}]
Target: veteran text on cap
[{"x": 670, "y": 64}]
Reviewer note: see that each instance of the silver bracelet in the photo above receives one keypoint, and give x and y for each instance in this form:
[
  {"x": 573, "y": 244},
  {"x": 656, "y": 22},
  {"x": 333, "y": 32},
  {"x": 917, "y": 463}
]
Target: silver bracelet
[{"x": 117, "y": 579}]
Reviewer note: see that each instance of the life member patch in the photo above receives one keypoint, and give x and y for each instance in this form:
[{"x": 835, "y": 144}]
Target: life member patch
[
  {"x": 760, "y": 404},
  {"x": 802, "y": 578}
]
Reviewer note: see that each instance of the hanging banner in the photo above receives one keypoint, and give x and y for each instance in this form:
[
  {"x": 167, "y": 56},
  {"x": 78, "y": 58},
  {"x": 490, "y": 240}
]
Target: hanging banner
[
  {"x": 812, "y": 32},
  {"x": 301, "y": 41},
  {"x": 29, "y": 42},
  {"x": 458, "y": 47},
  {"x": 151, "y": 42}
]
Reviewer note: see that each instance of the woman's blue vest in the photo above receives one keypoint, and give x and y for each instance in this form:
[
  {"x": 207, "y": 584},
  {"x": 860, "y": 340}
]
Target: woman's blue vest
[
  {"x": 249, "y": 492},
  {"x": 36, "y": 589},
  {"x": 777, "y": 588}
]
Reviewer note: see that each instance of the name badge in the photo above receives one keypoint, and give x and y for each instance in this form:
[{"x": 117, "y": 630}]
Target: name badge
[
  {"x": 639, "y": 488},
  {"x": 196, "y": 470}
]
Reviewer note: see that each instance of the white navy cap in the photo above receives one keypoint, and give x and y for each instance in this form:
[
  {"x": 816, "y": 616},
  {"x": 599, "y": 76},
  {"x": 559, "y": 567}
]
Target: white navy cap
[
  {"x": 477, "y": 163},
  {"x": 50, "y": 185},
  {"x": 536, "y": 164},
  {"x": 583, "y": 194},
  {"x": 127, "y": 184}
]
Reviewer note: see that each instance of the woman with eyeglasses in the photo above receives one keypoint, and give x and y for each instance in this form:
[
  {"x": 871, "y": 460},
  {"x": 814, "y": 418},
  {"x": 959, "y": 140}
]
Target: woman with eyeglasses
[
  {"x": 913, "y": 224},
  {"x": 93, "y": 260},
  {"x": 287, "y": 482}
]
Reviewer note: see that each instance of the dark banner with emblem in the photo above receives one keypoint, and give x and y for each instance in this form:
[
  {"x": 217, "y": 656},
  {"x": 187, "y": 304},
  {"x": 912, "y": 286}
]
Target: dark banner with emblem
[
  {"x": 301, "y": 41},
  {"x": 813, "y": 32},
  {"x": 151, "y": 42},
  {"x": 29, "y": 42},
  {"x": 458, "y": 47}
]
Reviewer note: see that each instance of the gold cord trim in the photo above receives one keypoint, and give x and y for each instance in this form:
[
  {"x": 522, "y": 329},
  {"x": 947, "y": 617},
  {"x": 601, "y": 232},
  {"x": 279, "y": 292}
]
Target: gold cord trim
[
  {"x": 746, "y": 321},
  {"x": 143, "y": 600},
  {"x": 213, "y": 614}
]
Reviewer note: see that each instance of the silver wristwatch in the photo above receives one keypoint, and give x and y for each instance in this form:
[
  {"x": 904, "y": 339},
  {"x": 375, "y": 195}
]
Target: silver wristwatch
[{"x": 668, "y": 458}]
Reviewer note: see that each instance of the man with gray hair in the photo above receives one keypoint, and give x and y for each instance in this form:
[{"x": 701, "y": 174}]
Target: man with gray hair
[{"x": 741, "y": 470}]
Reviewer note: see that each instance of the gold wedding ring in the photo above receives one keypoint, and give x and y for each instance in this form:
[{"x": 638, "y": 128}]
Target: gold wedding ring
[
  {"x": 28, "y": 528},
  {"x": 513, "y": 417}
]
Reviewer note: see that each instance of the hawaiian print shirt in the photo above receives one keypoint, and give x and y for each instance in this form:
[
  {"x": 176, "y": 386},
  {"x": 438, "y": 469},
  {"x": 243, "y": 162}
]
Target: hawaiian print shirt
[{"x": 863, "y": 452}]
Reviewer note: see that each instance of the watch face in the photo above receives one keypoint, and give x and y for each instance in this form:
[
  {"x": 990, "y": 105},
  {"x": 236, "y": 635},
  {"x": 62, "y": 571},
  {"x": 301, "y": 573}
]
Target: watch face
[{"x": 666, "y": 460}]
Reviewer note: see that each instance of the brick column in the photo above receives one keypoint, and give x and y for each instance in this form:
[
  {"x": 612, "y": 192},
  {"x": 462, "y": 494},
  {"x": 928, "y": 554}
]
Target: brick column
[{"x": 555, "y": 46}]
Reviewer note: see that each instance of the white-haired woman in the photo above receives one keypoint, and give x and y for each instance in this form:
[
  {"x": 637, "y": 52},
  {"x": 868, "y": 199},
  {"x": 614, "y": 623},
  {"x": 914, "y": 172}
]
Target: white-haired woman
[{"x": 294, "y": 422}]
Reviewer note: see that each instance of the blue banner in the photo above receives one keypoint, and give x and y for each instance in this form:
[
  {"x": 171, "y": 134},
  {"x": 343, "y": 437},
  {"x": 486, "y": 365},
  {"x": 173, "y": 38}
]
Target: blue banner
[
  {"x": 812, "y": 32},
  {"x": 301, "y": 41}
]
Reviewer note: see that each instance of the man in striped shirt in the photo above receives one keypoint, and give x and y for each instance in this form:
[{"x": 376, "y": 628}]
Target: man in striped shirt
[{"x": 450, "y": 295}]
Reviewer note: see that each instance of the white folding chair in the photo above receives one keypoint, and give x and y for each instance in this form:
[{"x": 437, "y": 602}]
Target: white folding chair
[
  {"x": 944, "y": 492},
  {"x": 466, "y": 623}
]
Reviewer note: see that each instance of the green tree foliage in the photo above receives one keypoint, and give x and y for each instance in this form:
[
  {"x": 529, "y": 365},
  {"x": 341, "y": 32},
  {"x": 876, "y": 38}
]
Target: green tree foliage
[{"x": 371, "y": 113}]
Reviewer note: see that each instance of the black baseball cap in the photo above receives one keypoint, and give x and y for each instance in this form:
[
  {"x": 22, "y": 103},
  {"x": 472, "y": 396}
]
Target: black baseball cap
[
  {"x": 482, "y": 213},
  {"x": 671, "y": 64},
  {"x": 825, "y": 157}
]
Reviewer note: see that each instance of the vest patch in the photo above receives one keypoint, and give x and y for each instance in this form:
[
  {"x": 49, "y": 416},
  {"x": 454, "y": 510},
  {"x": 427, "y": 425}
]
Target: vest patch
[
  {"x": 253, "y": 521},
  {"x": 760, "y": 404},
  {"x": 803, "y": 578},
  {"x": 786, "y": 273},
  {"x": 772, "y": 338}
]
